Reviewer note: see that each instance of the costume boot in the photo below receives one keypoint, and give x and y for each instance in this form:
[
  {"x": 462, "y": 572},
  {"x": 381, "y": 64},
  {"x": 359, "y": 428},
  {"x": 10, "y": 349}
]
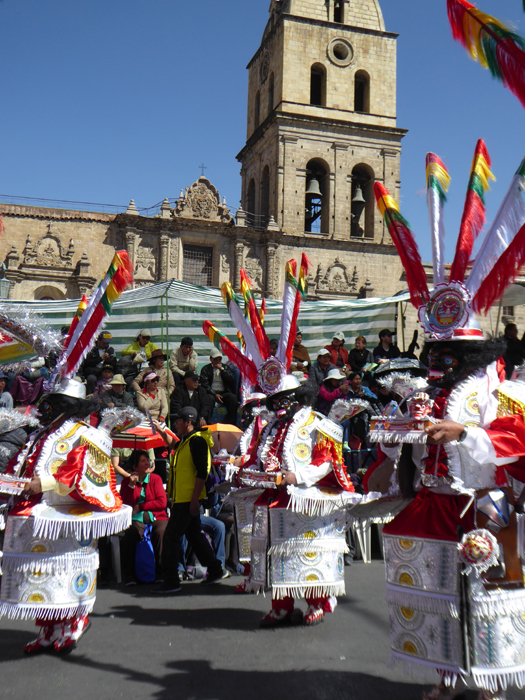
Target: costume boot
[
  {"x": 442, "y": 692},
  {"x": 71, "y": 631},
  {"x": 44, "y": 642}
]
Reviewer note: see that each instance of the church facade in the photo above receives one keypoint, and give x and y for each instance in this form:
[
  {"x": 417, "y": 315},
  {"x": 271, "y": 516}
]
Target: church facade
[{"x": 321, "y": 128}]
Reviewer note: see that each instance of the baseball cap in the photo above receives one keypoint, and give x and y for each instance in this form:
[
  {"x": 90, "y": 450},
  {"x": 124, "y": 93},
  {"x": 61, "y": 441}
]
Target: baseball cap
[
  {"x": 323, "y": 351},
  {"x": 215, "y": 353},
  {"x": 150, "y": 376},
  {"x": 384, "y": 332},
  {"x": 105, "y": 336},
  {"x": 339, "y": 335},
  {"x": 145, "y": 333},
  {"x": 186, "y": 413}
]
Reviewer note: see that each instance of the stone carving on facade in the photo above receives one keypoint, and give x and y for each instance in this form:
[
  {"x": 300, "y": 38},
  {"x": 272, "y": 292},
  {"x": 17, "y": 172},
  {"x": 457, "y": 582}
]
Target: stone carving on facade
[
  {"x": 272, "y": 269},
  {"x": 145, "y": 265},
  {"x": 253, "y": 268},
  {"x": 202, "y": 201},
  {"x": 164, "y": 248},
  {"x": 334, "y": 279},
  {"x": 48, "y": 252}
]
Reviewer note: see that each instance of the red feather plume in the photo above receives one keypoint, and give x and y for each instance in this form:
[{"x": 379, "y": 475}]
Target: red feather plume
[
  {"x": 232, "y": 352},
  {"x": 473, "y": 218},
  {"x": 404, "y": 241},
  {"x": 504, "y": 272}
]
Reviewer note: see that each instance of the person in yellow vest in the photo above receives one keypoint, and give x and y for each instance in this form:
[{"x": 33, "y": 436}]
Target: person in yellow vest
[{"x": 190, "y": 466}]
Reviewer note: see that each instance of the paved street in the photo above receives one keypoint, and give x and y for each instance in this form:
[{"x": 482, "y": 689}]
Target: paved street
[{"x": 205, "y": 644}]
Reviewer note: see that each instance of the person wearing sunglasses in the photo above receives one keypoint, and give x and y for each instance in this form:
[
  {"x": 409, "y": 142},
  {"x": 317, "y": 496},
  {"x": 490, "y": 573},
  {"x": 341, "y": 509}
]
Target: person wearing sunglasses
[{"x": 152, "y": 398}]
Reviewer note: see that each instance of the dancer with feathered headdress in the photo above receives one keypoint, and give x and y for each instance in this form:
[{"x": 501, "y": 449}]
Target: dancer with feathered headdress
[
  {"x": 291, "y": 470},
  {"x": 63, "y": 487},
  {"x": 455, "y": 554}
]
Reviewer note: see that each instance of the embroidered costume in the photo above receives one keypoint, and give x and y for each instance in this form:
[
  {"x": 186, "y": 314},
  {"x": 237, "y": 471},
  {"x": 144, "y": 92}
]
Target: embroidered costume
[
  {"x": 50, "y": 557},
  {"x": 292, "y": 469},
  {"x": 455, "y": 554}
]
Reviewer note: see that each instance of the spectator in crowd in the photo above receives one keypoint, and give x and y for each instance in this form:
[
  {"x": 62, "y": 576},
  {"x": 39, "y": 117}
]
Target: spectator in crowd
[
  {"x": 338, "y": 353},
  {"x": 183, "y": 359},
  {"x": 333, "y": 387},
  {"x": 6, "y": 400},
  {"x": 190, "y": 466},
  {"x": 219, "y": 382},
  {"x": 141, "y": 346},
  {"x": 190, "y": 393},
  {"x": 386, "y": 350},
  {"x": 515, "y": 353},
  {"x": 101, "y": 354},
  {"x": 116, "y": 396},
  {"x": 274, "y": 344},
  {"x": 156, "y": 364},
  {"x": 300, "y": 358},
  {"x": 103, "y": 383},
  {"x": 358, "y": 426},
  {"x": 320, "y": 368},
  {"x": 144, "y": 492},
  {"x": 152, "y": 398},
  {"x": 11, "y": 443},
  {"x": 359, "y": 356}
]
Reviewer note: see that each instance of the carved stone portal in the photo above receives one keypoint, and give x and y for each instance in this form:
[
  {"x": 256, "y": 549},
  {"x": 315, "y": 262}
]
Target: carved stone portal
[
  {"x": 335, "y": 279},
  {"x": 202, "y": 201},
  {"x": 47, "y": 252}
]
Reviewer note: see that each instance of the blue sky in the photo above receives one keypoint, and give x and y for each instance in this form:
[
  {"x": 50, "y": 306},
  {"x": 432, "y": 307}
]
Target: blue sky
[{"x": 105, "y": 101}]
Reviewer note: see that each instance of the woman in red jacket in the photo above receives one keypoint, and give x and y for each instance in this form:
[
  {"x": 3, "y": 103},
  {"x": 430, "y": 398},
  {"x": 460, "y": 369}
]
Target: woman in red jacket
[
  {"x": 338, "y": 353},
  {"x": 144, "y": 492}
]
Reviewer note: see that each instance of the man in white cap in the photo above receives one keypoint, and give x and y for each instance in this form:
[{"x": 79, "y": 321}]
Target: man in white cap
[{"x": 320, "y": 368}]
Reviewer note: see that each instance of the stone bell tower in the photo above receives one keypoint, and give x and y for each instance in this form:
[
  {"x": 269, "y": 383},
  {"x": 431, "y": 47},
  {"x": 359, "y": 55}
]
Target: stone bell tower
[{"x": 322, "y": 120}]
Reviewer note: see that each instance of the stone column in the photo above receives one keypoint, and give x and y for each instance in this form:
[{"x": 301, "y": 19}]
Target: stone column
[
  {"x": 272, "y": 273},
  {"x": 164, "y": 241},
  {"x": 239, "y": 261},
  {"x": 340, "y": 204}
]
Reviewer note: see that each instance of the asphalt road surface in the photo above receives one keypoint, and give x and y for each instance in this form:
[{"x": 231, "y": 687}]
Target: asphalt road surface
[{"x": 204, "y": 644}]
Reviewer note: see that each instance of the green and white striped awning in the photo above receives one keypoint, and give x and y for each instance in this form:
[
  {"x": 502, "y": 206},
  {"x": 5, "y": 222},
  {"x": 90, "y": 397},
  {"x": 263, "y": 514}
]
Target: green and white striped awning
[{"x": 171, "y": 310}]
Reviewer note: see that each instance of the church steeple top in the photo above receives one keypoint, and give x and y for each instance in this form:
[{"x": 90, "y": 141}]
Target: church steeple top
[{"x": 365, "y": 14}]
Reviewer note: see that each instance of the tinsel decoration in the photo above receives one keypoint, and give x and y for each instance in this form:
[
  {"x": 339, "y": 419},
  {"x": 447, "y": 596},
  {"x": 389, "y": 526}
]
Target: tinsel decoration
[
  {"x": 490, "y": 42},
  {"x": 478, "y": 550},
  {"x": 116, "y": 420},
  {"x": 11, "y": 419},
  {"x": 28, "y": 329},
  {"x": 473, "y": 218}
]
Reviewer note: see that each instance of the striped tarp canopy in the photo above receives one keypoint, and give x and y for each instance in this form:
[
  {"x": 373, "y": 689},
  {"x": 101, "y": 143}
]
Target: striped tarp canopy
[{"x": 173, "y": 309}]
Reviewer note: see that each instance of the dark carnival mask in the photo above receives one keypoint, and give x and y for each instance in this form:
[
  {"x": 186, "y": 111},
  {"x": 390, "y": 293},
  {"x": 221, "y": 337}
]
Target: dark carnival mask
[
  {"x": 285, "y": 407},
  {"x": 445, "y": 366}
]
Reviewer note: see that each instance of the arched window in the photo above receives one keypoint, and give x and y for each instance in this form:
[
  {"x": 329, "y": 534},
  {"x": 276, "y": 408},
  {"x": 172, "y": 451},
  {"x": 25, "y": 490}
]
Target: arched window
[
  {"x": 317, "y": 197},
  {"x": 362, "y": 92},
  {"x": 363, "y": 206},
  {"x": 318, "y": 85},
  {"x": 257, "y": 110},
  {"x": 250, "y": 204},
  {"x": 265, "y": 197},
  {"x": 339, "y": 11},
  {"x": 271, "y": 91}
]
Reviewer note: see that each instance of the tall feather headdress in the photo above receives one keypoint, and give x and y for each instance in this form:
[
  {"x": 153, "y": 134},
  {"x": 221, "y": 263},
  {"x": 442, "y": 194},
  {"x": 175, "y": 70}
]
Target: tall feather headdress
[
  {"x": 447, "y": 313},
  {"x": 255, "y": 362}
]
